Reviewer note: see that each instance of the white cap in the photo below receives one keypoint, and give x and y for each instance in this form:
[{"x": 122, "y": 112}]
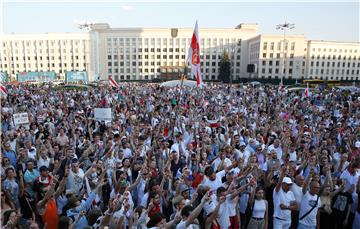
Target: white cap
[
  {"x": 357, "y": 144},
  {"x": 287, "y": 180}
]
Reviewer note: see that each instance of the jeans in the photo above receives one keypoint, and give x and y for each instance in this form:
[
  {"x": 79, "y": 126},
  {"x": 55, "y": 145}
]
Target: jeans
[
  {"x": 256, "y": 224},
  {"x": 281, "y": 224},
  {"x": 302, "y": 226}
]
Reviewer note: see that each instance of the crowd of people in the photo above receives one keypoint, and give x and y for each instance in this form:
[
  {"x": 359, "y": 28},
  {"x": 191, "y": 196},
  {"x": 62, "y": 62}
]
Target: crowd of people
[{"x": 218, "y": 157}]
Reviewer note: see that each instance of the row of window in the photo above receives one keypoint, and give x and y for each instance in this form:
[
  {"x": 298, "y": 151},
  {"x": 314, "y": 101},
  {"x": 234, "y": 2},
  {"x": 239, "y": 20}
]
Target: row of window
[
  {"x": 152, "y": 57},
  {"x": 315, "y": 77},
  {"x": 334, "y": 57},
  {"x": 147, "y": 77},
  {"x": 153, "y": 70},
  {"x": 270, "y": 62},
  {"x": 46, "y": 51},
  {"x": 278, "y": 47},
  {"x": 49, "y": 69},
  {"x": 184, "y": 41},
  {"x": 152, "y": 63},
  {"x": 334, "y": 50},
  {"x": 278, "y": 55},
  {"x": 41, "y": 58},
  {"x": 348, "y": 72},
  {"x": 42, "y": 43},
  {"x": 140, "y": 50},
  {"x": 333, "y": 64},
  {"x": 41, "y": 65},
  {"x": 270, "y": 71},
  {"x": 121, "y": 57}
]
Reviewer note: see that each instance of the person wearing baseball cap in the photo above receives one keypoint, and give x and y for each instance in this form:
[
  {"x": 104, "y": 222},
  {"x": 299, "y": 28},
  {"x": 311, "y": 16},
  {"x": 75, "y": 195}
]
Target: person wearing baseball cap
[{"x": 284, "y": 201}]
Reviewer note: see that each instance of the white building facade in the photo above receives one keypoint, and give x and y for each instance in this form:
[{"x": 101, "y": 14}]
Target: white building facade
[
  {"x": 149, "y": 53},
  {"x": 333, "y": 60},
  {"x": 298, "y": 58},
  {"x": 275, "y": 58},
  {"x": 145, "y": 54},
  {"x": 45, "y": 53}
]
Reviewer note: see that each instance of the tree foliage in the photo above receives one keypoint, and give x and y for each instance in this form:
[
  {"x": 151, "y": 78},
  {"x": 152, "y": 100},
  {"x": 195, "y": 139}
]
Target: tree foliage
[{"x": 225, "y": 68}]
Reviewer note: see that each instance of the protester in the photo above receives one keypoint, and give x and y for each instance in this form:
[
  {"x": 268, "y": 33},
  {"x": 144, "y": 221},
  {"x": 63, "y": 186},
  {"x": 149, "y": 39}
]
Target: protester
[{"x": 218, "y": 157}]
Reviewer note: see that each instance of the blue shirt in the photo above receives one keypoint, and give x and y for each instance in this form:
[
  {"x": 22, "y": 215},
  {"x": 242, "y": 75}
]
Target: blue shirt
[
  {"x": 84, "y": 206},
  {"x": 29, "y": 177},
  {"x": 5, "y": 126},
  {"x": 13, "y": 188},
  {"x": 12, "y": 157}
]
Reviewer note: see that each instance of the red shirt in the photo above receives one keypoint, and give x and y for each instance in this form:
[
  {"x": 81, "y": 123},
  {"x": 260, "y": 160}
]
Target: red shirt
[
  {"x": 50, "y": 217},
  {"x": 154, "y": 210}
]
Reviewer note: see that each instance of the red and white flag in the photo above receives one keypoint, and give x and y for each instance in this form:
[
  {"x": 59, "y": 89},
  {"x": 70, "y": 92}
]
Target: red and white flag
[
  {"x": 3, "y": 90},
  {"x": 307, "y": 90},
  {"x": 194, "y": 55},
  {"x": 113, "y": 82}
]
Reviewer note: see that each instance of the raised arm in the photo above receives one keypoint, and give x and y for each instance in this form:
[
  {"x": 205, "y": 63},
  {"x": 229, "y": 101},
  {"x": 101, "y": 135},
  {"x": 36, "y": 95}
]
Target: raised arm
[
  {"x": 21, "y": 184},
  {"x": 282, "y": 175},
  {"x": 240, "y": 190},
  {"x": 328, "y": 179},
  {"x": 307, "y": 181},
  {"x": 61, "y": 187},
  {"x": 135, "y": 184},
  {"x": 214, "y": 214},
  {"x": 48, "y": 194},
  {"x": 73, "y": 225},
  {"x": 252, "y": 195},
  {"x": 197, "y": 210},
  {"x": 175, "y": 221},
  {"x": 340, "y": 189}
]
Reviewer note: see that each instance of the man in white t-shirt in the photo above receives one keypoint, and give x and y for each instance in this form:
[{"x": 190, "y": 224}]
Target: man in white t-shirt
[
  {"x": 284, "y": 202},
  {"x": 221, "y": 162},
  {"x": 75, "y": 178},
  {"x": 309, "y": 206},
  {"x": 213, "y": 180},
  {"x": 277, "y": 147}
]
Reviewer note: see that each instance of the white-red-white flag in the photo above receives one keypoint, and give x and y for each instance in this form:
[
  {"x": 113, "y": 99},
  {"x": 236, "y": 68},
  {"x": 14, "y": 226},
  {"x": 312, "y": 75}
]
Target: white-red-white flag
[
  {"x": 113, "y": 82},
  {"x": 307, "y": 90},
  {"x": 3, "y": 90},
  {"x": 194, "y": 55}
]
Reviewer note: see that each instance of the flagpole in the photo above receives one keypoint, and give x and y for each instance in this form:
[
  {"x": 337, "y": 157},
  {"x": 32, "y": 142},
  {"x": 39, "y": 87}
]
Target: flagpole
[{"x": 183, "y": 76}]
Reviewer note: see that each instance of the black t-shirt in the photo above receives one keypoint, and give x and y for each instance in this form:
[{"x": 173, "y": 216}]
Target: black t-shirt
[
  {"x": 341, "y": 202},
  {"x": 27, "y": 207},
  {"x": 175, "y": 167}
]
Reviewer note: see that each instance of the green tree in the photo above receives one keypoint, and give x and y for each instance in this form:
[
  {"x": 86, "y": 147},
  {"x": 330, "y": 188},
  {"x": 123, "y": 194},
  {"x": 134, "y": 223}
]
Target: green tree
[{"x": 225, "y": 68}]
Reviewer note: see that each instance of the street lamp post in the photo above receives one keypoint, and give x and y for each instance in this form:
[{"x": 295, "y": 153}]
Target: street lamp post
[{"x": 284, "y": 27}]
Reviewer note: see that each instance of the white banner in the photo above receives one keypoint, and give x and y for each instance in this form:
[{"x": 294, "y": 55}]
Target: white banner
[
  {"x": 21, "y": 119},
  {"x": 103, "y": 114}
]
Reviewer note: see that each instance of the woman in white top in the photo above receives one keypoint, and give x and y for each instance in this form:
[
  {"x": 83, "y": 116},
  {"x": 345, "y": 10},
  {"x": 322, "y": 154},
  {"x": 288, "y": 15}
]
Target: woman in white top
[{"x": 259, "y": 215}]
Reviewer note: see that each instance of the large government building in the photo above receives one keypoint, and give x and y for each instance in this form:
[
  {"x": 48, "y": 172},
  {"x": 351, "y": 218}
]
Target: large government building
[{"x": 150, "y": 53}]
